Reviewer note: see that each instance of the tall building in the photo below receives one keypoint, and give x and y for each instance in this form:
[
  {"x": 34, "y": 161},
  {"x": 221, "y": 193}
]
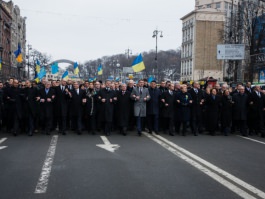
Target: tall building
[
  {"x": 13, "y": 32},
  {"x": 200, "y": 36}
]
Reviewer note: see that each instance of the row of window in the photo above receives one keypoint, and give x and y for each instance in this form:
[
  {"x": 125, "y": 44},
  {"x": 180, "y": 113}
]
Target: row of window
[
  {"x": 187, "y": 34},
  {"x": 186, "y": 51},
  {"x": 188, "y": 22},
  {"x": 186, "y": 68}
]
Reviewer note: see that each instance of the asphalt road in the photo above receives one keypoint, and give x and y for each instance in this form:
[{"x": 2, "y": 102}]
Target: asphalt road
[{"x": 143, "y": 167}]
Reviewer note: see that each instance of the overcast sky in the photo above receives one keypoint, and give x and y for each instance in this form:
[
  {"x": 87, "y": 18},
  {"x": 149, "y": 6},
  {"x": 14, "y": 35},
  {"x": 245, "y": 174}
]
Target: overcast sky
[{"x": 82, "y": 30}]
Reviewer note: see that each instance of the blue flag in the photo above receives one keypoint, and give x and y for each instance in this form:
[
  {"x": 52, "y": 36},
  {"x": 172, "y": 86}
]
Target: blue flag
[
  {"x": 42, "y": 73},
  {"x": 55, "y": 68}
]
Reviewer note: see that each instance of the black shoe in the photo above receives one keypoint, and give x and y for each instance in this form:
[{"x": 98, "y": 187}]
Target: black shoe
[
  {"x": 63, "y": 133},
  {"x": 156, "y": 132},
  {"x": 79, "y": 132},
  {"x": 183, "y": 134},
  {"x": 172, "y": 134},
  {"x": 195, "y": 134},
  {"x": 30, "y": 134},
  {"x": 139, "y": 133},
  {"x": 150, "y": 132},
  {"x": 15, "y": 134}
]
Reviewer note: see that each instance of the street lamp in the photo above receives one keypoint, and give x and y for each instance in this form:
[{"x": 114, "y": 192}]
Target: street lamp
[
  {"x": 128, "y": 52},
  {"x": 29, "y": 48},
  {"x": 155, "y": 35}
]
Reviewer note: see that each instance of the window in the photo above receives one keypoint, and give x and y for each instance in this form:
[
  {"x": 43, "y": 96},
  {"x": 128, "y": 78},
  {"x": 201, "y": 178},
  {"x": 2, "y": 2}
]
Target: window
[
  {"x": 209, "y": 5},
  {"x": 218, "y": 5}
]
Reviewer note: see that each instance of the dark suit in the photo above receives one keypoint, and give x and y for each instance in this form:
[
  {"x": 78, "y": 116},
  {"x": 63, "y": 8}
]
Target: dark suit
[
  {"x": 76, "y": 108},
  {"x": 106, "y": 108},
  {"x": 46, "y": 109},
  {"x": 61, "y": 107},
  {"x": 240, "y": 110},
  {"x": 91, "y": 109},
  {"x": 196, "y": 110},
  {"x": 168, "y": 111},
  {"x": 152, "y": 111}
]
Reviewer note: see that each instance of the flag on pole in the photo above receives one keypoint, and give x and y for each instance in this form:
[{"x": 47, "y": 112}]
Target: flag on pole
[
  {"x": 100, "y": 70},
  {"x": 38, "y": 66},
  {"x": 150, "y": 79},
  {"x": 76, "y": 69},
  {"x": 138, "y": 64},
  {"x": 65, "y": 75},
  {"x": 18, "y": 54},
  {"x": 42, "y": 73},
  {"x": 0, "y": 64},
  {"x": 55, "y": 68},
  {"x": 36, "y": 78}
]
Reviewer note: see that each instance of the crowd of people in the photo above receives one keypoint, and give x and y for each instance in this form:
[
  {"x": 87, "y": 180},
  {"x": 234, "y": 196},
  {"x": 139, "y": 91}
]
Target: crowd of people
[{"x": 160, "y": 107}]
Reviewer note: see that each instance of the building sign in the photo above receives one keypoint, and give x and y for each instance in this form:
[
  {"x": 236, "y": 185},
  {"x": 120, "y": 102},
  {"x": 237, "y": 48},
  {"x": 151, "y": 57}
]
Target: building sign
[
  {"x": 262, "y": 76},
  {"x": 231, "y": 51}
]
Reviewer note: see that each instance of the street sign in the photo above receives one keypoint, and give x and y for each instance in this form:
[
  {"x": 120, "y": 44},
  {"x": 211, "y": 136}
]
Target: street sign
[
  {"x": 127, "y": 70},
  {"x": 231, "y": 51}
]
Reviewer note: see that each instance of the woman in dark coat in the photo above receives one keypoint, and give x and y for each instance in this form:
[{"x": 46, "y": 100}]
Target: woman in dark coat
[
  {"x": 226, "y": 112},
  {"x": 212, "y": 103},
  {"x": 184, "y": 101}
]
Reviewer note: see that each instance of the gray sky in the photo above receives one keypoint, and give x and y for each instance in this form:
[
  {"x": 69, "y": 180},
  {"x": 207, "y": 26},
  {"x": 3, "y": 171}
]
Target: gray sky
[{"x": 81, "y": 30}]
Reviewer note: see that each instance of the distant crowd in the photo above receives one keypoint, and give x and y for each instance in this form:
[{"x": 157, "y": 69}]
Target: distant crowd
[{"x": 28, "y": 107}]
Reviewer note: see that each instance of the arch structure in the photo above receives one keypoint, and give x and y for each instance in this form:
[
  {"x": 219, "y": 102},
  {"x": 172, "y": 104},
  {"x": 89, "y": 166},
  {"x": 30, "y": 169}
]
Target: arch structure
[{"x": 62, "y": 61}]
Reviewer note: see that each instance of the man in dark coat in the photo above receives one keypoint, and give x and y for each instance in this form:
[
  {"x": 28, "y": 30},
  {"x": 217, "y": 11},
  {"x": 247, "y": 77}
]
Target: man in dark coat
[
  {"x": 91, "y": 108},
  {"x": 123, "y": 109},
  {"x": 47, "y": 96},
  {"x": 61, "y": 105},
  {"x": 257, "y": 100},
  {"x": 77, "y": 102},
  {"x": 13, "y": 99},
  {"x": 32, "y": 98},
  {"x": 168, "y": 100},
  {"x": 153, "y": 106},
  {"x": 107, "y": 99},
  {"x": 240, "y": 109},
  {"x": 196, "y": 108}
]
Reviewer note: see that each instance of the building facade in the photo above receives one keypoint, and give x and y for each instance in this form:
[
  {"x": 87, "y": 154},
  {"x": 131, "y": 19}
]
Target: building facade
[
  {"x": 201, "y": 33},
  {"x": 13, "y": 32}
]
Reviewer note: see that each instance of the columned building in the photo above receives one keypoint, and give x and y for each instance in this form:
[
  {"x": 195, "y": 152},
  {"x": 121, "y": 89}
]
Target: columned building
[{"x": 201, "y": 33}]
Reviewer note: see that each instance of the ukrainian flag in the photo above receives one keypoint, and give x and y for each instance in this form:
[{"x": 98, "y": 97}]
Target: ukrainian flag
[
  {"x": 38, "y": 66},
  {"x": 42, "y": 73},
  {"x": 18, "y": 54},
  {"x": 138, "y": 64},
  {"x": 55, "y": 68},
  {"x": 36, "y": 78},
  {"x": 100, "y": 70},
  {"x": 0, "y": 64},
  {"x": 65, "y": 75},
  {"x": 76, "y": 69}
]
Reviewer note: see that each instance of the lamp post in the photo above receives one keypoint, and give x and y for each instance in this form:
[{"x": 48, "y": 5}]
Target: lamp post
[
  {"x": 29, "y": 48},
  {"x": 128, "y": 52},
  {"x": 155, "y": 35},
  {"x": 1, "y": 60}
]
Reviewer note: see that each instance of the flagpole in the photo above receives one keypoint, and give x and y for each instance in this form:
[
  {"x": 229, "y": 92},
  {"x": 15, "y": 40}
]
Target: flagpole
[{"x": 29, "y": 48}]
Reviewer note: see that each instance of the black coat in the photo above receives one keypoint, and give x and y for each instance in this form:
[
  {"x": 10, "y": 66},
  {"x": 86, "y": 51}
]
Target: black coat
[
  {"x": 46, "y": 108},
  {"x": 61, "y": 101},
  {"x": 13, "y": 97},
  {"x": 168, "y": 111},
  {"x": 31, "y": 95},
  {"x": 154, "y": 103},
  {"x": 196, "y": 107},
  {"x": 76, "y": 103},
  {"x": 257, "y": 106},
  {"x": 183, "y": 111},
  {"x": 240, "y": 108},
  {"x": 212, "y": 111},
  {"x": 91, "y": 105},
  {"x": 123, "y": 108},
  {"x": 226, "y": 111},
  {"x": 107, "y": 107}
]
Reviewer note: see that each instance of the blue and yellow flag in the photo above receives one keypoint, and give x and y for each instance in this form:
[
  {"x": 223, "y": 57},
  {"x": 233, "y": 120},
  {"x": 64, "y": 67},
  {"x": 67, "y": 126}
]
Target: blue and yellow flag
[
  {"x": 65, "y": 75},
  {"x": 0, "y": 64},
  {"x": 42, "y": 73},
  {"x": 55, "y": 68},
  {"x": 76, "y": 69},
  {"x": 18, "y": 54},
  {"x": 150, "y": 79},
  {"x": 138, "y": 64},
  {"x": 38, "y": 66},
  {"x": 36, "y": 78},
  {"x": 100, "y": 70}
]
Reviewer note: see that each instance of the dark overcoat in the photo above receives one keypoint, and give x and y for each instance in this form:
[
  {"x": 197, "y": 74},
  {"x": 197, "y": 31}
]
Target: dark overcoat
[
  {"x": 107, "y": 107},
  {"x": 183, "y": 112},
  {"x": 168, "y": 111},
  {"x": 123, "y": 108}
]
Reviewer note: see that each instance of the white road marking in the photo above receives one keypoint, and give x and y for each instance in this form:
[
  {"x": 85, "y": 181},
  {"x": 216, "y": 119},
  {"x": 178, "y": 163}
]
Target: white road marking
[
  {"x": 208, "y": 168},
  {"x": 107, "y": 145},
  {"x": 253, "y": 140},
  {"x": 1, "y": 141},
  {"x": 47, "y": 166}
]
